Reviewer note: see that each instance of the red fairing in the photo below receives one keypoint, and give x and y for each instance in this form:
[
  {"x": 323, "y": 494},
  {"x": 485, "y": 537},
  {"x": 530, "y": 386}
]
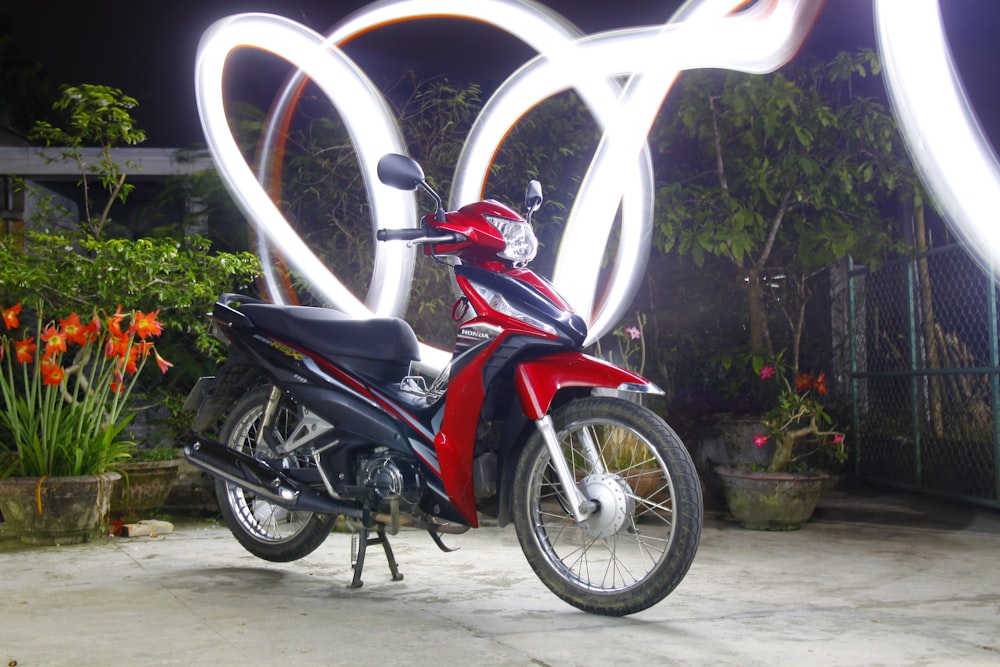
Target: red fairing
[
  {"x": 538, "y": 381},
  {"x": 455, "y": 441},
  {"x": 484, "y": 240}
]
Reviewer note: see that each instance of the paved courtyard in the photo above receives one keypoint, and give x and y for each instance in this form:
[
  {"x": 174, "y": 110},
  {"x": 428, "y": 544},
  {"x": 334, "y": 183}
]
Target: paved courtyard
[{"x": 874, "y": 579}]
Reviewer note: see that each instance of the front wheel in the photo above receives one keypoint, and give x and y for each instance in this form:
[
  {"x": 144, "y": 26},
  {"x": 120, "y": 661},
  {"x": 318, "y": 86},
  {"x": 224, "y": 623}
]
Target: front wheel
[
  {"x": 636, "y": 548},
  {"x": 267, "y": 530}
]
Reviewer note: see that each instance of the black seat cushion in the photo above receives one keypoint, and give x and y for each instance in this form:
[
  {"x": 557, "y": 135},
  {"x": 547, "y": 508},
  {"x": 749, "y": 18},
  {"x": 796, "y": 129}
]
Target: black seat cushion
[{"x": 382, "y": 347}]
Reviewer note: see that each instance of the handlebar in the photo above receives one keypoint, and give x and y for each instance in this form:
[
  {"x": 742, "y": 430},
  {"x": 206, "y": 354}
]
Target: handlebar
[
  {"x": 409, "y": 234},
  {"x": 417, "y": 235}
]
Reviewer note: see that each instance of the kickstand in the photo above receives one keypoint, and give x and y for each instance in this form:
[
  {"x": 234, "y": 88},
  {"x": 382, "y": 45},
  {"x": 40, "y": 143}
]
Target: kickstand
[
  {"x": 440, "y": 543},
  {"x": 362, "y": 542}
]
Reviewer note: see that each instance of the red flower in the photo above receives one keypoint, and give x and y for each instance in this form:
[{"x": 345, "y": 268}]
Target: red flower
[
  {"x": 767, "y": 372},
  {"x": 52, "y": 373},
  {"x": 145, "y": 324},
  {"x": 803, "y": 382},
  {"x": 10, "y": 316},
  {"x": 73, "y": 330},
  {"x": 25, "y": 350},
  {"x": 162, "y": 363},
  {"x": 819, "y": 384},
  {"x": 94, "y": 327},
  {"x": 760, "y": 440}
]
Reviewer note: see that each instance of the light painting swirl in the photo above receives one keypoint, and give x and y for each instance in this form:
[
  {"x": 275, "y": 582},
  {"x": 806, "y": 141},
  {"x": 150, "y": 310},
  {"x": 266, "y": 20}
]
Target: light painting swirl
[{"x": 622, "y": 76}]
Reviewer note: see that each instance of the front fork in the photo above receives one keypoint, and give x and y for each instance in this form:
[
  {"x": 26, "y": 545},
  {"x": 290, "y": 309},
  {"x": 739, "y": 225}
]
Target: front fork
[{"x": 579, "y": 506}]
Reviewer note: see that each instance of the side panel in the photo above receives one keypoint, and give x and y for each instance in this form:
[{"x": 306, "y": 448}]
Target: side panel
[{"x": 539, "y": 380}]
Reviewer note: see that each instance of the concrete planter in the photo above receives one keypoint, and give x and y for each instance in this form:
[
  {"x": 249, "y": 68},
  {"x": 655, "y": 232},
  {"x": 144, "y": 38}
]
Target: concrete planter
[
  {"x": 769, "y": 500},
  {"x": 72, "y": 509},
  {"x": 144, "y": 485}
]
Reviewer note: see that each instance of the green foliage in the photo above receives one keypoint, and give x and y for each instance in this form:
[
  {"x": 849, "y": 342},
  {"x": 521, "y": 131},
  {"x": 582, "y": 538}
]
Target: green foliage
[
  {"x": 788, "y": 172},
  {"x": 98, "y": 116},
  {"x": 181, "y": 279}
]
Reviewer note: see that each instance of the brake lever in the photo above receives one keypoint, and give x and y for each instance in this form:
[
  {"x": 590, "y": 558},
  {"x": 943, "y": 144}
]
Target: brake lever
[{"x": 447, "y": 238}]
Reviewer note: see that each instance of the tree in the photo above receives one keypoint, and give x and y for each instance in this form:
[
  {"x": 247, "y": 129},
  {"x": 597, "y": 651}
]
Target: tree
[
  {"x": 782, "y": 175},
  {"x": 94, "y": 116}
]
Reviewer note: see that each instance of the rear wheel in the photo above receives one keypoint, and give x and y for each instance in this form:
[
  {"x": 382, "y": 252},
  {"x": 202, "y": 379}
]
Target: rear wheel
[
  {"x": 265, "y": 529},
  {"x": 637, "y": 547}
]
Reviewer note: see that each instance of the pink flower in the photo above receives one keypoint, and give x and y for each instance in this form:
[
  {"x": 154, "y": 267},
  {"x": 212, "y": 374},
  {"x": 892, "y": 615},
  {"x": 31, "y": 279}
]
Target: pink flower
[
  {"x": 633, "y": 333},
  {"x": 760, "y": 440},
  {"x": 767, "y": 372},
  {"x": 838, "y": 438}
]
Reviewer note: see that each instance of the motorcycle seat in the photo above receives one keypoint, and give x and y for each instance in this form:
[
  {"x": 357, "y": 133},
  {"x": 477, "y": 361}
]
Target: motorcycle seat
[{"x": 380, "y": 347}]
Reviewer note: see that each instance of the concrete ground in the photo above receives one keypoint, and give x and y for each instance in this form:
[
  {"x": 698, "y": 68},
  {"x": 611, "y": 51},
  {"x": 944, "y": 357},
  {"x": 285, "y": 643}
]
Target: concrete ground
[{"x": 875, "y": 579}]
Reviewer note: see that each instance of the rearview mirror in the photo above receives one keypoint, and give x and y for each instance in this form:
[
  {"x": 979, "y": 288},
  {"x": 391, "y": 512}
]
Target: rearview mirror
[
  {"x": 400, "y": 172},
  {"x": 533, "y": 196}
]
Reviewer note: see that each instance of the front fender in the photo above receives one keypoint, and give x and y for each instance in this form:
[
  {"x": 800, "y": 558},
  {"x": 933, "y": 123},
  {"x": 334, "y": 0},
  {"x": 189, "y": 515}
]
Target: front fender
[{"x": 538, "y": 381}]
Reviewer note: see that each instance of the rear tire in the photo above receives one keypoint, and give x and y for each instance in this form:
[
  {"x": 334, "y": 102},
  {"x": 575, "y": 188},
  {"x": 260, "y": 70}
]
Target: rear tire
[
  {"x": 637, "y": 547},
  {"x": 265, "y": 529}
]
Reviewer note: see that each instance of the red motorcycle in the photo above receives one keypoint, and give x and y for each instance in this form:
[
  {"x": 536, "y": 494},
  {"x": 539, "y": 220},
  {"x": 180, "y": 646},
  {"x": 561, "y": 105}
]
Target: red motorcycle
[{"x": 325, "y": 416}]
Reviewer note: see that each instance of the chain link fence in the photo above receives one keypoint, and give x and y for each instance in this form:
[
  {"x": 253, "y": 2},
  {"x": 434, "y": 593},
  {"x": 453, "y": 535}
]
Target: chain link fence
[{"x": 925, "y": 375}]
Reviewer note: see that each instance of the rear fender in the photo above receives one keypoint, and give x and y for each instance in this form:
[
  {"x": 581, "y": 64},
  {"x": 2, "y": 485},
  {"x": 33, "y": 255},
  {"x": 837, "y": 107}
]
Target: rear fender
[
  {"x": 538, "y": 381},
  {"x": 212, "y": 397}
]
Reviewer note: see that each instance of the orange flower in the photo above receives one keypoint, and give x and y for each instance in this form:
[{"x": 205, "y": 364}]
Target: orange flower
[
  {"x": 803, "y": 382},
  {"x": 25, "y": 350},
  {"x": 54, "y": 339},
  {"x": 73, "y": 330},
  {"x": 115, "y": 323},
  {"x": 10, "y": 316},
  {"x": 162, "y": 363},
  {"x": 52, "y": 373},
  {"x": 145, "y": 324},
  {"x": 130, "y": 365},
  {"x": 117, "y": 346}
]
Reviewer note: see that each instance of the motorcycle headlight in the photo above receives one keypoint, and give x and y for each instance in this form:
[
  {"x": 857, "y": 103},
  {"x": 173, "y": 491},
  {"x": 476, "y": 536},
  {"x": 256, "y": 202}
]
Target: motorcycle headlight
[
  {"x": 500, "y": 303},
  {"x": 519, "y": 237}
]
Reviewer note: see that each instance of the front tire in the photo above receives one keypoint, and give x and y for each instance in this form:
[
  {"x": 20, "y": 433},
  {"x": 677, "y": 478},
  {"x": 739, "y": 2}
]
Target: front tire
[
  {"x": 266, "y": 530},
  {"x": 637, "y": 547}
]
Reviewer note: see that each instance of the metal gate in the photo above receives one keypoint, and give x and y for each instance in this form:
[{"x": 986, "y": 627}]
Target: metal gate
[{"x": 925, "y": 375}]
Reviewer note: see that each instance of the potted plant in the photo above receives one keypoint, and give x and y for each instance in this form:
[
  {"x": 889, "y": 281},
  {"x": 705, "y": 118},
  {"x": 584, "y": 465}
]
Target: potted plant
[
  {"x": 65, "y": 387},
  {"x": 782, "y": 494},
  {"x": 146, "y": 480}
]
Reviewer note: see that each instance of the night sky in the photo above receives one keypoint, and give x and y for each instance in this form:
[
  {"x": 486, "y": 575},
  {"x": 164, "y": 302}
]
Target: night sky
[{"x": 148, "y": 48}]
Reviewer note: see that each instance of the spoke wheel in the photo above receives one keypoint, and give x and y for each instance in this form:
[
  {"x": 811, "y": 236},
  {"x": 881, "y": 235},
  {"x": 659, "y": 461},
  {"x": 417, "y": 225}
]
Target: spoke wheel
[
  {"x": 636, "y": 548},
  {"x": 267, "y": 530}
]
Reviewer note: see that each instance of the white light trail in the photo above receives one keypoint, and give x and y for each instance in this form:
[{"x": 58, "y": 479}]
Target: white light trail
[
  {"x": 941, "y": 130},
  {"x": 946, "y": 142}
]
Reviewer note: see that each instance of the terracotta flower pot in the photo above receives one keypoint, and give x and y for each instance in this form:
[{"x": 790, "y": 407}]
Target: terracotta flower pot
[
  {"x": 72, "y": 508},
  {"x": 768, "y": 500}
]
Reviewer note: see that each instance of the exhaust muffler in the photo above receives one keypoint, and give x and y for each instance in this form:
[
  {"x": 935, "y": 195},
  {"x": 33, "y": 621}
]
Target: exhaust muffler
[{"x": 261, "y": 478}]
